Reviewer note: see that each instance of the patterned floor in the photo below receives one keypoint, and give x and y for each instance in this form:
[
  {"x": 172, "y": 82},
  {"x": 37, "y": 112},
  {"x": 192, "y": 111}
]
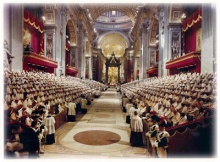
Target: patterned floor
[{"x": 101, "y": 133}]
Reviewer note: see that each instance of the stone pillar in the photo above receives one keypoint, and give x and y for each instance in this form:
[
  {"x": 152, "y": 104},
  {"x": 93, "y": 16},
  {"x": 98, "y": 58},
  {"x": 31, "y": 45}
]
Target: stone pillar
[
  {"x": 208, "y": 47},
  {"x": 80, "y": 48},
  {"x": 174, "y": 43},
  {"x": 90, "y": 64},
  {"x": 141, "y": 68},
  {"x": 83, "y": 55},
  {"x": 163, "y": 39},
  {"x": 134, "y": 65},
  {"x": 7, "y": 24},
  {"x": 145, "y": 51},
  {"x": 95, "y": 67},
  {"x": 62, "y": 17},
  {"x": 16, "y": 33},
  {"x": 64, "y": 20},
  {"x": 129, "y": 68},
  {"x": 57, "y": 55}
]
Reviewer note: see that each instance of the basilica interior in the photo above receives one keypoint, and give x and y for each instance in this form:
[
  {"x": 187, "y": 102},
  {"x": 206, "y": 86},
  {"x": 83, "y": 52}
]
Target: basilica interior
[{"x": 148, "y": 54}]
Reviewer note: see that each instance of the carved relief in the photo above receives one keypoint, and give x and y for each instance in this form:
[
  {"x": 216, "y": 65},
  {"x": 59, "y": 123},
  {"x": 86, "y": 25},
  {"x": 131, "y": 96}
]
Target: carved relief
[
  {"x": 175, "y": 46},
  {"x": 49, "y": 14},
  {"x": 49, "y": 46},
  {"x": 175, "y": 13},
  {"x": 176, "y": 16},
  {"x": 152, "y": 58}
]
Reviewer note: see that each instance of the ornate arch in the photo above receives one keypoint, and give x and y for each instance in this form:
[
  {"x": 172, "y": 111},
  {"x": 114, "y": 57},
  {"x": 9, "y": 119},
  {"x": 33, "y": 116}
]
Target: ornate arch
[
  {"x": 113, "y": 42},
  {"x": 112, "y": 32}
]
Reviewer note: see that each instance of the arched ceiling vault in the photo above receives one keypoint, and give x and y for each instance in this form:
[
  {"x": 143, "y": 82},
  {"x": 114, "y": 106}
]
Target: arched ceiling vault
[
  {"x": 97, "y": 10},
  {"x": 113, "y": 42}
]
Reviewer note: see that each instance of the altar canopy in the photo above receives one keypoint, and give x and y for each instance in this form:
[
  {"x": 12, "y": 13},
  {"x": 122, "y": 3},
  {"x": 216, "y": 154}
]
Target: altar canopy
[{"x": 112, "y": 70}]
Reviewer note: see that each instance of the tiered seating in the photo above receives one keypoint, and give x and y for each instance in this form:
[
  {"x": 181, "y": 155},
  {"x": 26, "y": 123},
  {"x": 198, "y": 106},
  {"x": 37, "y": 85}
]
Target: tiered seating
[
  {"x": 33, "y": 95},
  {"x": 93, "y": 84},
  {"x": 42, "y": 87},
  {"x": 184, "y": 104},
  {"x": 25, "y": 91},
  {"x": 190, "y": 96}
]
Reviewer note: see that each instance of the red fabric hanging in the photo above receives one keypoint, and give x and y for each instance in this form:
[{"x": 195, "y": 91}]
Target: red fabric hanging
[{"x": 193, "y": 19}]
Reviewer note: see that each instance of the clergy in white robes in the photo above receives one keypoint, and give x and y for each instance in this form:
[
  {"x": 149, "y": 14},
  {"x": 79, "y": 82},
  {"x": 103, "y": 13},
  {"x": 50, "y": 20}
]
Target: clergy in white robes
[{"x": 136, "y": 130}]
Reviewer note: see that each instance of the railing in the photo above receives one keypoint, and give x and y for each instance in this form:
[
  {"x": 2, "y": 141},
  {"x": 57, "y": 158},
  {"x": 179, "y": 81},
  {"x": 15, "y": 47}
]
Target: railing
[{"x": 195, "y": 138}]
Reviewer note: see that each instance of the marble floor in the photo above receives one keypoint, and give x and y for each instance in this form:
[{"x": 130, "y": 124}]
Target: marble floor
[{"x": 101, "y": 133}]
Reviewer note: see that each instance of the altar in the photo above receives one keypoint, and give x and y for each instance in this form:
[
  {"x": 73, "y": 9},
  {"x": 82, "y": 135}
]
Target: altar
[{"x": 112, "y": 70}]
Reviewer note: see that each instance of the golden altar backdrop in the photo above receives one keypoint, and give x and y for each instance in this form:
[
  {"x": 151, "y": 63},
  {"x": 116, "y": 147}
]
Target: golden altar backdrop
[{"x": 113, "y": 75}]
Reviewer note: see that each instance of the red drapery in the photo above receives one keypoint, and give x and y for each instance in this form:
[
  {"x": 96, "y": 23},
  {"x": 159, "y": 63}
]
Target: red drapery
[
  {"x": 190, "y": 40},
  {"x": 190, "y": 26},
  {"x": 195, "y": 18},
  {"x": 37, "y": 32}
]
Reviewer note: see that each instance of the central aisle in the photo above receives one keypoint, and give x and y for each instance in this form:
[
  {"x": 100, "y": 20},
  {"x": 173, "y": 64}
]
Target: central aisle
[{"x": 102, "y": 132}]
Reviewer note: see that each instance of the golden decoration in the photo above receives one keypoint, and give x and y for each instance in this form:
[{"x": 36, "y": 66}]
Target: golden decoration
[
  {"x": 113, "y": 42},
  {"x": 113, "y": 75}
]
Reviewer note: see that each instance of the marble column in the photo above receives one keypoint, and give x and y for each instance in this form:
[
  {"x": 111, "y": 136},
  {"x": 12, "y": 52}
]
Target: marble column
[
  {"x": 163, "y": 39},
  {"x": 208, "y": 47},
  {"x": 83, "y": 55},
  {"x": 90, "y": 63},
  {"x": 16, "y": 36},
  {"x": 129, "y": 68},
  {"x": 145, "y": 51},
  {"x": 141, "y": 68},
  {"x": 135, "y": 66},
  {"x": 80, "y": 54},
  {"x": 57, "y": 55},
  {"x": 64, "y": 20},
  {"x": 95, "y": 67}
]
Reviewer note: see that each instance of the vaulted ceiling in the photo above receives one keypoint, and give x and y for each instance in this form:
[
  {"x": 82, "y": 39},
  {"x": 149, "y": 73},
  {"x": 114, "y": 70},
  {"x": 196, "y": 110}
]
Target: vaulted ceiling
[
  {"x": 97, "y": 10},
  {"x": 112, "y": 36},
  {"x": 113, "y": 42}
]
